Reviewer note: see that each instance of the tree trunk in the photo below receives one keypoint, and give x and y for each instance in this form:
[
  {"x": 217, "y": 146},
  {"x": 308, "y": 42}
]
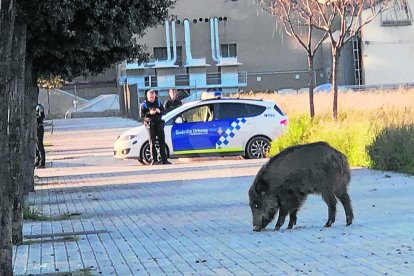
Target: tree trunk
[
  {"x": 16, "y": 127},
  {"x": 6, "y": 253},
  {"x": 121, "y": 96},
  {"x": 17, "y": 220},
  {"x": 311, "y": 86},
  {"x": 335, "y": 58},
  {"x": 7, "y": 19},
  {"x": 31, "y": 93}
]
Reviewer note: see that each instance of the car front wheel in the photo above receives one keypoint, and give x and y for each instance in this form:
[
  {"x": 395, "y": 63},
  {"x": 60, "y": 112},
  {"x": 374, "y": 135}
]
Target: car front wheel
[
  {"x": 140, "y": 160},
  {"x": 257, "y": 147},
  {"x": 146, "y": 153}
]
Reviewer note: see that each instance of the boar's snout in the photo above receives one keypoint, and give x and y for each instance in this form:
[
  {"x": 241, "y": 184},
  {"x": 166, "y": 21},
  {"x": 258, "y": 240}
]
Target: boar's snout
[
  {"x": 258, "y": 225},
  {"x": 257, "y": 228}
]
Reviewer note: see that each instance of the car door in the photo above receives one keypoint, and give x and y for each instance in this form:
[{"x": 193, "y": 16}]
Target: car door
[
  {"x": 194, "y": 131},
  {"x": 233, "y": 125}
]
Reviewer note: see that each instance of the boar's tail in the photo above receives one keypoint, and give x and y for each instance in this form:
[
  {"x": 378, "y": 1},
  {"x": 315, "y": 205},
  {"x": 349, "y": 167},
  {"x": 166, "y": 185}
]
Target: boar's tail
[
  {"x": 345, "y": 172},
  {"x": 339, "y": 161}
]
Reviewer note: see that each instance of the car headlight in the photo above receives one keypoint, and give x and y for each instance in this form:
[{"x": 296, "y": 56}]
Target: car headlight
[{"x": 126, "y": 137}]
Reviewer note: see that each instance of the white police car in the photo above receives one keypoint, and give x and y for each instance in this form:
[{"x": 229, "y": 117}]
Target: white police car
[{"x": 213, "y": 127}]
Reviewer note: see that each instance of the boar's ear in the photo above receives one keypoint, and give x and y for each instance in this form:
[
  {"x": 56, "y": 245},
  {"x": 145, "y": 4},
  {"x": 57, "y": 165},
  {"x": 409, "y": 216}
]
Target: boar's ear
[{"x": 262, "y": 187}]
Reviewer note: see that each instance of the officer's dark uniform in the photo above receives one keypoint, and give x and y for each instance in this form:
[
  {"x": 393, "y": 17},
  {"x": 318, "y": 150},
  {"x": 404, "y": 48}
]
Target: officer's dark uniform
[
  {"x": 155, "y": 127},
  {"x": 40, "y": 131},
  {"x": 171, "y": 104}
]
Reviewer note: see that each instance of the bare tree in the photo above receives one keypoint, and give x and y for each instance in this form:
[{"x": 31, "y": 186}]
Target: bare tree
[
  {"x": 297, "y": 18},
  {"x": 342, "y": 20}
]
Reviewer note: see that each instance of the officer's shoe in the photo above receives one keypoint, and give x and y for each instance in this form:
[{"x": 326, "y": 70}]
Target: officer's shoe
[
  {"x": 36, "y": 164},
  {"x": 154, "y": 163},
  {"x": 166, "y": 162},
  {"x": 41, "y": 167}
]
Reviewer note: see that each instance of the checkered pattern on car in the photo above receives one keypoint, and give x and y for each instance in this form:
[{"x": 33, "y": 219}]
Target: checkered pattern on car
[{"x": 230, "y": 132}]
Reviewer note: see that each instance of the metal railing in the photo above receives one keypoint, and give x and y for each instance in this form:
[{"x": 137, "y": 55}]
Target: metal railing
[
  {"x": 399, "y": 14},
  {"x": 183, "y": 81},
  {"x": 391, "y": 86},
  {"x": 213, "y": 78}
]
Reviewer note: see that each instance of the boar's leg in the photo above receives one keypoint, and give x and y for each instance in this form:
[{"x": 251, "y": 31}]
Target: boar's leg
[
  {"x": 292, "y": 219},
  {"x": 331, "y": 202},
  {"x": 346, "y": 202},
  {"x": 281, "y": 219}
]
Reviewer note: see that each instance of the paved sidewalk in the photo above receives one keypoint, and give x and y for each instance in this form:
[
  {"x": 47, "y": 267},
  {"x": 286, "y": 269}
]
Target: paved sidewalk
[{"x": 113, "y": 217}]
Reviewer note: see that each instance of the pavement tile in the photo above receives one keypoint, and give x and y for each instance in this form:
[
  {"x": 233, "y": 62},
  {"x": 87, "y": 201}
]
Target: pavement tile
[{"x": 194, "y": 218}]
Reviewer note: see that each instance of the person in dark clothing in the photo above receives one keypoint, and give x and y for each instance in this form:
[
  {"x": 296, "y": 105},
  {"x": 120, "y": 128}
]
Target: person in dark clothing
[
  {"x": 40, "y": 161},
  {"x": 152, "y": 111},
  {"x": 172, "y": 102}
]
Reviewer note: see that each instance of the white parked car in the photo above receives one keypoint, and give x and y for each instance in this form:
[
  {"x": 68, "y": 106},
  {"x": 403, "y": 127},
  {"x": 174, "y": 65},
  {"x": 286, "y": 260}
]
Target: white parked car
[{"x": 213, "y": 127}]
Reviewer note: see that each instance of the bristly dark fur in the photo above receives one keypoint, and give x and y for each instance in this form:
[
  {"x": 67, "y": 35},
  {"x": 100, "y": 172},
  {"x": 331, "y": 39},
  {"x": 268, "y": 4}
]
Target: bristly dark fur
[{"x": 285, "y": 181}]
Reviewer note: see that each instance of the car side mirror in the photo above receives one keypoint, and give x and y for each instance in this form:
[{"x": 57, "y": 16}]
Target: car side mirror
[{"x": 178, "y": 120}]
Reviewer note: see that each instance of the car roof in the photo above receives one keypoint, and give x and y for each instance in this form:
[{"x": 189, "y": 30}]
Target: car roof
[
  {"x": 233, "y": 100},
  {"x": 218, "y": 100}
]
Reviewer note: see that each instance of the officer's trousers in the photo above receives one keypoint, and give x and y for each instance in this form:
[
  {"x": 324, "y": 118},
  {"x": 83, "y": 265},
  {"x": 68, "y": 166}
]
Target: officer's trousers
[
  {"x": 40, "y": 149},
  {"x": 156, "y": 132}
]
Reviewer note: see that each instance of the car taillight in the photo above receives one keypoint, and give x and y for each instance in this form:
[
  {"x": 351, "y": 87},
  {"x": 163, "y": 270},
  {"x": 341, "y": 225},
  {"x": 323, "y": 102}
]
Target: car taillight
[{"x": 283, "y": 122}]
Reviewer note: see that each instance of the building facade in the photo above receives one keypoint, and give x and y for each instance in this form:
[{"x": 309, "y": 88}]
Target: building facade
[
  {"x": 234, "y": 45},
  {"x": 388, "y": 46},
  {"x": 226, "y": 45}
]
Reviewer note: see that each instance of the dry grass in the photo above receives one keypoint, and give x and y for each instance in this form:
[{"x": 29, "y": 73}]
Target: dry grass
[
  {"x": 382, "y": 121},
  {"x": 298, "y": 103}
]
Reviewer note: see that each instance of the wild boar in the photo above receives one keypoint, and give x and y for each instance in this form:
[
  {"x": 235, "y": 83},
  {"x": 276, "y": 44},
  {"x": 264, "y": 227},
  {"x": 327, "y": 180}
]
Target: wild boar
[{"x": 284, "y": 182}]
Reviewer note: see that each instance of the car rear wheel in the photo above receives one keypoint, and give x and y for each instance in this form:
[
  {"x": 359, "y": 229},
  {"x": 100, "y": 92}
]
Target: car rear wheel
[{"x": 257, "y": 147}]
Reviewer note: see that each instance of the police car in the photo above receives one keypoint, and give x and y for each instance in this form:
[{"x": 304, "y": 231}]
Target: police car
[{"x": 212, "y": 127}]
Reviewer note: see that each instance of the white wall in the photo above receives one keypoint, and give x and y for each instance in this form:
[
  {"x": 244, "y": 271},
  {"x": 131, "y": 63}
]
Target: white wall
[{"x": 388, "y": 52}]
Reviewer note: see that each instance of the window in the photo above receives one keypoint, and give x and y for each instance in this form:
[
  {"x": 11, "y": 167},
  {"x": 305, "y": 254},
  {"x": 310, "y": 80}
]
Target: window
[
  {"x": 239, "y": 110},
  {"x": 160, "y": 53},
  {"x": 228, "y": 50},
  {"x": 231, "y": 110},
  {"x": 278, "y": 110},
  {"x": 199, "y": 114},
  {"x": 255, "y": 110},
  {"x": 398, "y": 14}
]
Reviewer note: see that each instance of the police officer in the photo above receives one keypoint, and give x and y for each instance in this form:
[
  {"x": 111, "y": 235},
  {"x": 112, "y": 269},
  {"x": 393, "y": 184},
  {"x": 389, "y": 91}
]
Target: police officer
[
  {"x": 152, "y": 111},
  {"x": 172, "y": 102},
  {"x": 40, "y": 161}
]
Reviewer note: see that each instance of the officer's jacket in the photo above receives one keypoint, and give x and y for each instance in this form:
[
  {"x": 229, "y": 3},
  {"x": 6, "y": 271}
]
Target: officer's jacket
[
  {"x": 171, "y": 104},
  {"x": 146, "y": 106},
  {"x": 40, "y": 114}
]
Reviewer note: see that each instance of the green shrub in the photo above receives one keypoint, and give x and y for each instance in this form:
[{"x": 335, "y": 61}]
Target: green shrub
[
  {"x": 350, "y": 139},
  {"x": 300, "y": 128},
  {"x": 393, "y": 149},
  {"x": 380, "y": 139},
  {"x": 346, "y": 135}
]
